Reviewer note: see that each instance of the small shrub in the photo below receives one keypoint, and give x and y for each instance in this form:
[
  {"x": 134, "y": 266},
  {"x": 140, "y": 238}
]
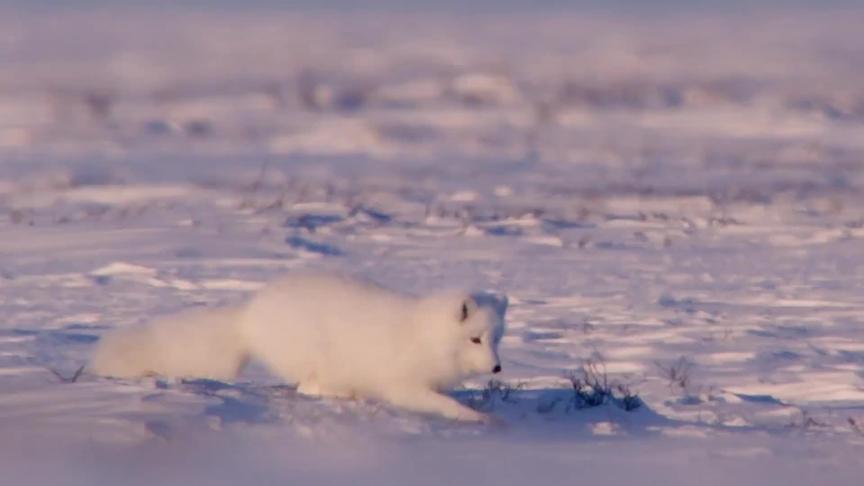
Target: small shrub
[
  {"x": 495, "y": 390},
  {"x": 855, "y": 426},
  {"x": 805, "y": 422},
  {"x": 677, "y": 373},
  {"x": 591, "y": 388},
  {"x": 627, "y": 399}
]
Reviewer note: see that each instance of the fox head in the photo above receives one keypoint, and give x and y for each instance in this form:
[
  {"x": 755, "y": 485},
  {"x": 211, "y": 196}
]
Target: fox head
[
  {"x": 458, "y": 335},
  {"x": 479, "y": 326}
]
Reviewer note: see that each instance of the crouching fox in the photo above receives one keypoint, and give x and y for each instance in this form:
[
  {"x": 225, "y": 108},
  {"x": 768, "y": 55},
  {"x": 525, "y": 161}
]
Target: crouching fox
[{"x": 333, "y": 336}]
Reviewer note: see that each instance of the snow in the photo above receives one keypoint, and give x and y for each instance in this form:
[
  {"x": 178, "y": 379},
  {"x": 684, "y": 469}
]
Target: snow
[{"x": 680, "y": 206}]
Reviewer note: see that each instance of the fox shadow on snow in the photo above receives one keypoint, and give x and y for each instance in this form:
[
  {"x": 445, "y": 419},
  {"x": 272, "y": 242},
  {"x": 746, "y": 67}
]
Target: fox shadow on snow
[{"x": 557, "y": 409}]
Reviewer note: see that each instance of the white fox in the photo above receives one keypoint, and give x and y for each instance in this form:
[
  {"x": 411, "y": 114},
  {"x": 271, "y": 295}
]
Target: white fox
[{"x": 334, "y": 336}]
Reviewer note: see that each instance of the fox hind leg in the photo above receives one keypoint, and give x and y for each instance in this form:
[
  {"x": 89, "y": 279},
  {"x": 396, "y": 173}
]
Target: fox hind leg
[
  {"x": 314, "y": 388},
  {"x": 309, "y": 387}
]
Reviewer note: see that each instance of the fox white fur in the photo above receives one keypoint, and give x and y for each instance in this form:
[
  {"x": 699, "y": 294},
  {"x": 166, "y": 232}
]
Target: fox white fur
[{"x": 331, "y": 335}]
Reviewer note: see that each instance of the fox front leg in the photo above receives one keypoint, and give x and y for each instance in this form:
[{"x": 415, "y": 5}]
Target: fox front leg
[{"x": 431, "y": 402}]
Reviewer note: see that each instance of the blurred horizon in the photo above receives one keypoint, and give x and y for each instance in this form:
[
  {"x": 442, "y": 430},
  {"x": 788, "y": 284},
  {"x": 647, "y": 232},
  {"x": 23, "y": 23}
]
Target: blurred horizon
[
  {"x": 443, "y": 6},
  {"x": 78, "y": 79}
]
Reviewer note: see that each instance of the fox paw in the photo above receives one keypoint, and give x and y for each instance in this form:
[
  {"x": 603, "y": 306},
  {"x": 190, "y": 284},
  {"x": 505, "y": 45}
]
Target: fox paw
[
  {"x": 493, "y": 421},
  {"x": 481, "y": 418}
]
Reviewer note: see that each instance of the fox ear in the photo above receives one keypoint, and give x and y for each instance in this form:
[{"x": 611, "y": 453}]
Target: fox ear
[{"x": 466, "y": 308}]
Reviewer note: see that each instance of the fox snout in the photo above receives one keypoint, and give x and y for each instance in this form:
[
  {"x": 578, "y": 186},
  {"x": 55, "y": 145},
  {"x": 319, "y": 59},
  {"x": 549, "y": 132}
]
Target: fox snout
[{"x": 496, "y": 369}]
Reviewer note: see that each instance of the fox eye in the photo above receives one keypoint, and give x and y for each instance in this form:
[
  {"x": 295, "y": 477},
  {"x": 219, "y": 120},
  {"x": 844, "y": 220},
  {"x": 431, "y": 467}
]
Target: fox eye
[{"x": 476, "y": 340}]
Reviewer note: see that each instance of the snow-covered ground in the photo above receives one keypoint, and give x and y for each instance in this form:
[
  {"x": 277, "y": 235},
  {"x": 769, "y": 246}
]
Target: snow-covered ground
[{"x": 677, "y": 201}]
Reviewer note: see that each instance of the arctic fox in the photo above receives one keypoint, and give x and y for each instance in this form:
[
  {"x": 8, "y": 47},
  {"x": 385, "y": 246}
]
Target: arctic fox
[{"x": 334, "y": 336}]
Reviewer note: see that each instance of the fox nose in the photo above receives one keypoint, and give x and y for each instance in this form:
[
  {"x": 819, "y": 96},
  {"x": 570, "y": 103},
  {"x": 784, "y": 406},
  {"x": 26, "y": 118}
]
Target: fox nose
[{"x": 496, "y": 369}]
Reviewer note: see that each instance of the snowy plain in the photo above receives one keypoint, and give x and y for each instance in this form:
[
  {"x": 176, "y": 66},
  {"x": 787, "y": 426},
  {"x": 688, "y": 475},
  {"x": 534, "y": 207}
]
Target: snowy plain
[{"x": 675, "y": 199}]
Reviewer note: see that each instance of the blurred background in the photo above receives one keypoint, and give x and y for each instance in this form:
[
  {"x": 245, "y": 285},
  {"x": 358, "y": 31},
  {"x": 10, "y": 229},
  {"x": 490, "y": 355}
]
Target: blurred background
[{"x": 591, "y": 82}]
